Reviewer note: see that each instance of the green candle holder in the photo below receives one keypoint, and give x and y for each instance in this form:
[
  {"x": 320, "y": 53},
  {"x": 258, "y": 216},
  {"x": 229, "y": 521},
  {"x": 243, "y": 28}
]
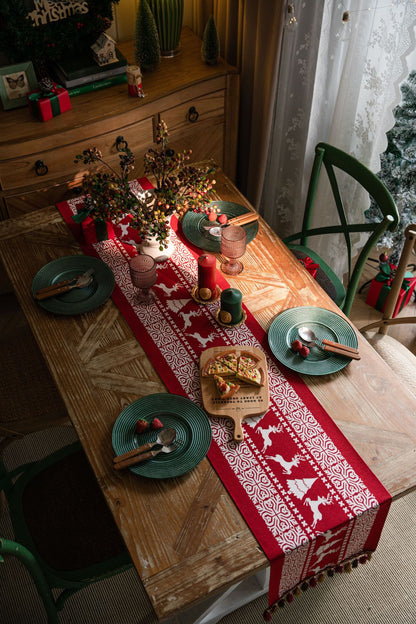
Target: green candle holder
[{"x": 231, "y": 312}]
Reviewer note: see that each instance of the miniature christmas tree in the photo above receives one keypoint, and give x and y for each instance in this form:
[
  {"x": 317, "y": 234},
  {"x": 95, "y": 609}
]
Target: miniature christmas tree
[
  {"x": 147, "y": 50},
  {"x": 210, "y": 43},
  {"x": 398, "y": 169}
]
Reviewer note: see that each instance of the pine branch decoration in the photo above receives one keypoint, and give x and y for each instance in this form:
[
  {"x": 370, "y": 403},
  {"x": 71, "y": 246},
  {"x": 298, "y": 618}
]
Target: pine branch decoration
[{"x": 398, "y": 169}]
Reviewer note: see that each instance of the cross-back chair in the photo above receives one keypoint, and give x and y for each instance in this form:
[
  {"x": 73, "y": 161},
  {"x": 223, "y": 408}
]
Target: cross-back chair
[
  {"x": 332, "y": 158},
  {"x": 64, "y": 532},
  {"x": 400, "y": 359}
]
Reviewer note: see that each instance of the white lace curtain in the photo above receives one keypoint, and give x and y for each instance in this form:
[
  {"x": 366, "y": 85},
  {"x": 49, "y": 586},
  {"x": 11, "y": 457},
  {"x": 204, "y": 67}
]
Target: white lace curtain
[{"x": 339, "y": 83}]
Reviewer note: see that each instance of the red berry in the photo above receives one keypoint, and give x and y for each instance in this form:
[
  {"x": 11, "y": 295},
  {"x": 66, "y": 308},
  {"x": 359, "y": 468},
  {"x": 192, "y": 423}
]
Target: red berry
[
  {"x": 223, "y": 219},
  {"x": 141, "y": 425},
  {"x": 296, "y": 345},
  {"x": 304, "y": 351},
  {"x": 212, "y": 216},
  {"x": 156, "y": 424}
]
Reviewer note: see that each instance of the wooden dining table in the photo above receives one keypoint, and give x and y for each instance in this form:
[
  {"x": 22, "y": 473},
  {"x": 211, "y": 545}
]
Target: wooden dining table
[{"x": 186, "y": 537}]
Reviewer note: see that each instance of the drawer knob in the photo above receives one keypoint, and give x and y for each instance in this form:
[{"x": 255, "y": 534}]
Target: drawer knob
[
  {"x": 40, "y": 168},
  {"x": 121, "y": 144},
  {"x": 193, "y": 114}
]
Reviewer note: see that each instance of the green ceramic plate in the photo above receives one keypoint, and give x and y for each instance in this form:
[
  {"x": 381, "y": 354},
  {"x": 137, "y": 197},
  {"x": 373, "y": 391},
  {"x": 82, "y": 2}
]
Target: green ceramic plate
[
  {"x": 325, "y": 324},
  {"x": 193, "y": 432},
  {"x": 193, "y": 226},
  {"x": 77, "y": 300}
]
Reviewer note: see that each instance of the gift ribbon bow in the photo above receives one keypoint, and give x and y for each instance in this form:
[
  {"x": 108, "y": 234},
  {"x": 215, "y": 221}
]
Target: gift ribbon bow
[
  {"x": 308, "y": 263},
  {"x": 82, "y": 214},
  {"x": 387, "y": 274}
]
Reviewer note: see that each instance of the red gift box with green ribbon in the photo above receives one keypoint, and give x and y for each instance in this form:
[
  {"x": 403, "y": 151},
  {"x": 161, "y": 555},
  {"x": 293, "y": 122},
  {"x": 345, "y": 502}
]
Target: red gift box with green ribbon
[
  {"x": 50, "y": 103},
  {"x": 380, "y": 287},
  {"x": 95, "y": 231}
]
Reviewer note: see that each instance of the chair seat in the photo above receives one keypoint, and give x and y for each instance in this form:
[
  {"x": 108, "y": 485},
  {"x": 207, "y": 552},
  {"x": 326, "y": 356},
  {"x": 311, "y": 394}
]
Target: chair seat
[
  {"x": 325, "y": 276},
  {"x": 400, "y": 359},
  {"x": 30, "y": 400},
  {"x": 64, "y": 518}
]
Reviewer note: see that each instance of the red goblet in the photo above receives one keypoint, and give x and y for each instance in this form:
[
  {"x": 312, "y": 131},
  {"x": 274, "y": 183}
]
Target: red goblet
[
  {"x": 143, "y": 276},
  {"x": 233, "y": 246}
]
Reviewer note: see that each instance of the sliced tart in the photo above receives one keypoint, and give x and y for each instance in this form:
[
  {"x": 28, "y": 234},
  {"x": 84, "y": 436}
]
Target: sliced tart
[
  {"x": 225, "y": 389},
  {"x": 214, "y": 367},
  {"x": 247, "y": 360},
  {"x": 229, "y": 358},
  {"x": 254, "y": 376}
]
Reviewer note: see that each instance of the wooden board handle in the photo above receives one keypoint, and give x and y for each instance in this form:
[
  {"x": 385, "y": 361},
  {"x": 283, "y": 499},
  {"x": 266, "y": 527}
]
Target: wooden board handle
[{"x": 238, "y": 431}]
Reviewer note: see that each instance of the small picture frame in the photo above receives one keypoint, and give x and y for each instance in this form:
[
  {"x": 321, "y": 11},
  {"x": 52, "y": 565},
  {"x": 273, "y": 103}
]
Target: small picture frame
[{"x": 16, "y": 81}]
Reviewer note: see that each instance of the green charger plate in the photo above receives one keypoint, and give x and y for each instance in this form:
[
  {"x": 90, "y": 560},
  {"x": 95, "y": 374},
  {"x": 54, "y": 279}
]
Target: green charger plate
[
  {"x": 193, "y": 432},
  {"x": 193, "y": 226},
  {"x": 77, "y": 300},
  {"x": 325, "y": 324}
]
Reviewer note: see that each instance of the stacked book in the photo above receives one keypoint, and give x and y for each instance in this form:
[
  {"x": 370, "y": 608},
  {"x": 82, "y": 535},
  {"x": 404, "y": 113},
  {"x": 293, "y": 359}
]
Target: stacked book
[{"x": 82, "y": 74}]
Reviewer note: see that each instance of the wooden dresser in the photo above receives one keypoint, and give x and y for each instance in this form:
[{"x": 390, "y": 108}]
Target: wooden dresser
[{"x": 199, "y": 104}]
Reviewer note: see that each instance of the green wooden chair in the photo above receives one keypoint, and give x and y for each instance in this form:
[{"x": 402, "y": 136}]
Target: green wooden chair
[
  {"x": 64, "y": 532},
  {"x": 333, "y": 158}
]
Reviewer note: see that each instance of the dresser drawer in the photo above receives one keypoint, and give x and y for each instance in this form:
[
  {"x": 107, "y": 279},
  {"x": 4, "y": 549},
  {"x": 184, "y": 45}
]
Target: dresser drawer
[
  {"x": 53, "y": 165},
  {"x": 198, "y": 124}
]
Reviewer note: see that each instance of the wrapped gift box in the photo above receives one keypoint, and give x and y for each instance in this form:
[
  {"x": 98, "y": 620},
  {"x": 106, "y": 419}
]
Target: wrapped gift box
[
  {"x": 46, "y": 105},
  {"x": 95, "y": 231},
  {"x": 380, "y": 287}
]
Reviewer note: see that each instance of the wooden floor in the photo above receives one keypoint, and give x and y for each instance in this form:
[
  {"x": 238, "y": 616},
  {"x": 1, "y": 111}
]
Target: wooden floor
[{"x": 362, "y": 313}]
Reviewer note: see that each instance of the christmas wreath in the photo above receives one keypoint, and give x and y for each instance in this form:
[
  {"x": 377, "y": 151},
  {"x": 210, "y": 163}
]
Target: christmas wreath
[{"x": 51, "y": 28}]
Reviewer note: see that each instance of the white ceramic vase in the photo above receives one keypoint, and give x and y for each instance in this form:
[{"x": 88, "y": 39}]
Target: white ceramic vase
[{"x": 151, "y": 247}]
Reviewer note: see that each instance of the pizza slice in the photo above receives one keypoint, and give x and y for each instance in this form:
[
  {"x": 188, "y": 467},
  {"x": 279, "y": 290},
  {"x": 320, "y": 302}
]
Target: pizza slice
[
  {"x": 229, "y": 358},
  {"x": 254, "y": 376},
  {"x": 226, "y": 389},
  {"x": 247, "y": 360},
  {"x": 213, "y": 367}
]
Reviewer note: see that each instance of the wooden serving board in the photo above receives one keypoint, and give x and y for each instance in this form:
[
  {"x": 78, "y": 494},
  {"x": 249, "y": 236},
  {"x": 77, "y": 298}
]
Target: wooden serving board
[{"x": 249, "y": 401}]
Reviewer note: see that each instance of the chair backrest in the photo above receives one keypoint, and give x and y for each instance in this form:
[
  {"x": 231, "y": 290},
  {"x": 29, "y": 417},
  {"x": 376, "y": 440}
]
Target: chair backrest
[
  {"x": 11, "y": 548},
  {"x": 333, "y": 158},
  {"x": 408, "y": 254}
]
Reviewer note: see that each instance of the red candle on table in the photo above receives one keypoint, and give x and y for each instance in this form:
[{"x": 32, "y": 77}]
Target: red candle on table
[{"x": 206, "y": 276}]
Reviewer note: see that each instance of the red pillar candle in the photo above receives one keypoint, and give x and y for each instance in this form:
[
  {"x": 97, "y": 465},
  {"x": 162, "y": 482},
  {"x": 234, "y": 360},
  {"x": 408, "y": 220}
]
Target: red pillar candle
[{"x": 206, "y": 276}]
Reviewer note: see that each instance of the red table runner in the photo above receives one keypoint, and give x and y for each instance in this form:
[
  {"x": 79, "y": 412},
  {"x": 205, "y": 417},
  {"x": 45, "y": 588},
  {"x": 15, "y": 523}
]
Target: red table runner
[{"x": 309, "y": 499}]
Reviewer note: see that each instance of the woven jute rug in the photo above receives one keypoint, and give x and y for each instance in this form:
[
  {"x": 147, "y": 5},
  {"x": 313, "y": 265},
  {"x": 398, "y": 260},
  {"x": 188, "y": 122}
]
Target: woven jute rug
[{"x": 381, "y": 592}]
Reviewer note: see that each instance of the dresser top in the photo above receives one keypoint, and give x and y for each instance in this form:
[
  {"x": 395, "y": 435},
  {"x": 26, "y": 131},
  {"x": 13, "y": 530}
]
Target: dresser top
[{"x": 172, "y": 75}]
